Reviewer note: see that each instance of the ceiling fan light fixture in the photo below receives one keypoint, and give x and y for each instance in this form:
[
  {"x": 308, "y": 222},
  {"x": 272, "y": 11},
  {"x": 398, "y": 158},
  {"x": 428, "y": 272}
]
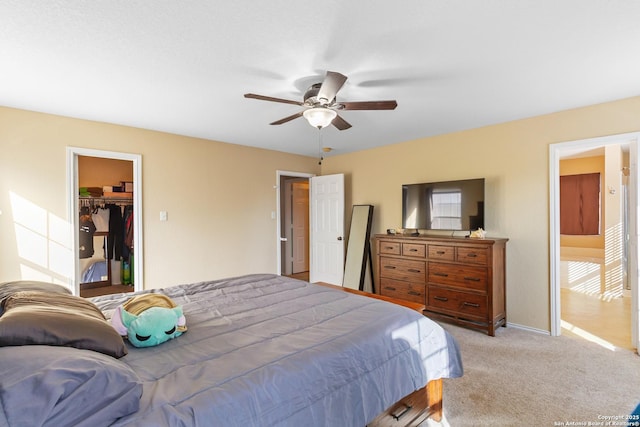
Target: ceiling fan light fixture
[{"x": 319, "y": 117}]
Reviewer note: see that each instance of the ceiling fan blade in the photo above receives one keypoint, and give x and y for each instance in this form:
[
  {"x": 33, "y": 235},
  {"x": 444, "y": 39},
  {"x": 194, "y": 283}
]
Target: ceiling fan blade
[
  {"x": 287, "y": 119},
  {"x": 340, "y": 123},
  {"x": 330, "y": 86},
  {"x": 368, "y": 105},
  {"x": 272, "y": 99}
]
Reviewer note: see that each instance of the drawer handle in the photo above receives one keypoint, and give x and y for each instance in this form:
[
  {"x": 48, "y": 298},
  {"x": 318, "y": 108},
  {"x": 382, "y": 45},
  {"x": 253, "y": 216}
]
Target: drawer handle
[
  {"x": 471, "y": 304},
  {"x": 413, "y": 250},
  {"x": 472, "y": 279},
  {"x": 399, "y": 412},
  {"x": 472, "y": 255},
  {"x": 441, "y": 298},
  {"x": 390, "y": 267},
  {"x": 388, "y": 247},
  {"x": 390, "y": 288},
  {"x": 441, "y": 252},
  {"x": 414, "y": 293},
  {"x": 413, "y": 270},
  {"x": 435, "y": 273}
]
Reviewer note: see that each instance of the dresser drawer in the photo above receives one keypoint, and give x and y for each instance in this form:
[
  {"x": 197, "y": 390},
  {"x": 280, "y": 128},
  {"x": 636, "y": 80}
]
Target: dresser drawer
[
  {"x": 472, "y": 255},
  {"x": 390, "y": 248},
  {"x": 402, "y": 290},
  {"x": 459, "y": 276},
  {"x": 414, "y": 250},
  {"x": 403, "y": 269},
  {"x": 455, "y": 301},
  {"x": 445, "y": 253}
]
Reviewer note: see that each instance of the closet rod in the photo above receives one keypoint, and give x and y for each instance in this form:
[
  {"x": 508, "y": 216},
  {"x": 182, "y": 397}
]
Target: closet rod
[{"x": 91, "y": 201}]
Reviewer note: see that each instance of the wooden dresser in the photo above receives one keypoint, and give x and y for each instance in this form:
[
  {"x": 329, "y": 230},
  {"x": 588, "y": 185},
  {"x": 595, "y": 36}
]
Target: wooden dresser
[{"x": 458, "y": 279}]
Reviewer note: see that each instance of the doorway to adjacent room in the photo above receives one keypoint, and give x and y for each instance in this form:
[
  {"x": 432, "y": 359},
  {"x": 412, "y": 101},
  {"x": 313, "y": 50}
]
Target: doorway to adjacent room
[
  {"x": 324, "y": 247},
  {"x": 594, "y": 281},
  {"x": 295, "y": 226},
  {"x": 292, "y": 215}
]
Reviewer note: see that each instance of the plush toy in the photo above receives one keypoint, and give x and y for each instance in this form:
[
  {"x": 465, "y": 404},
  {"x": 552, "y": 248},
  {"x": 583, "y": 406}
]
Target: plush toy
[
  {"x": 149, "y": 319},
  {"x": 478, "y": 234}
]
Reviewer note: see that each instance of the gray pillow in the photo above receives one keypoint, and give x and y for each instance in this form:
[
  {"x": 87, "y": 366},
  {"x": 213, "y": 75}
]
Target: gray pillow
[
  {"x": 43, "y": 318},
  {"x": 9, "y": 288},
  {"x": 62, "y": 386}
]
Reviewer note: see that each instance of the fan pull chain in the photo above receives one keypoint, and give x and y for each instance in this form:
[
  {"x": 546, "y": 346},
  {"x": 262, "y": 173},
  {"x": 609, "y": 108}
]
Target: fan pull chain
[{"x": 320, "y": 146}]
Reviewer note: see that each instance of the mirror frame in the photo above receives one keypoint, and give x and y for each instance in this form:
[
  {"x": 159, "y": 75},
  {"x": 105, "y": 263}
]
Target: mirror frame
[{"x": 358, "y": 248}]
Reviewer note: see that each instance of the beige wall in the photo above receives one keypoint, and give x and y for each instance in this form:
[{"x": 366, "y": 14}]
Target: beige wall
[
  {"x": 219, "y": 198},
  {"x": 513, "y": 157},
  {"x": 98, "y": 172}
]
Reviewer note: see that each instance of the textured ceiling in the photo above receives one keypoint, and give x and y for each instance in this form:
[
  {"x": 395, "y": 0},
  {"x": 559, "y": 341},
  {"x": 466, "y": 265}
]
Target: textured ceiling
[{"x": 183, "y": 67}]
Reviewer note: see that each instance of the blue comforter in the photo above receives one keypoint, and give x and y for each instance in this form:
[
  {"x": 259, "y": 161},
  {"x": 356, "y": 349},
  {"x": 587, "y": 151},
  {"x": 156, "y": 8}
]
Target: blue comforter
[{"x": 265, "y": 350}]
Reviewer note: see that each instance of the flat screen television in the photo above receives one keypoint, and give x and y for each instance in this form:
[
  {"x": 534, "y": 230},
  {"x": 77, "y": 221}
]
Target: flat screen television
[{"x": 446, "y": 205}]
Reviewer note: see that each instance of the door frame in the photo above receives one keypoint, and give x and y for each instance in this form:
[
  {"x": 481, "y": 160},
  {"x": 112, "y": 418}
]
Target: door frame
[
  {"x": 73, "y": 210},
  {"x": 278, "y": 215},
  {"x": 297, "y": 203},
  {"x": 558, "y": 150}
]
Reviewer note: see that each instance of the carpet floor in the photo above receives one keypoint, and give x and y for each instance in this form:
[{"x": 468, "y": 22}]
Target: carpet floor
[{"x": 521, "y": 377}]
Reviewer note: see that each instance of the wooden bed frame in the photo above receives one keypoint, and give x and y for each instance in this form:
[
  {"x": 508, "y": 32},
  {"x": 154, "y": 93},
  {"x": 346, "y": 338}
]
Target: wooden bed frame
[{"x": 414, "y": 409}]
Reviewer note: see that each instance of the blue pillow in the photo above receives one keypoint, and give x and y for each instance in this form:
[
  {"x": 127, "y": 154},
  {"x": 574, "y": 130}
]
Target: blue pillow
[{"x": 55, "y": 386}]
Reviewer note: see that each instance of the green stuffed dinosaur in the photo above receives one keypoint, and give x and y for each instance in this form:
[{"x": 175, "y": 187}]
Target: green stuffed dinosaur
[{"x": 149, "y": 319}]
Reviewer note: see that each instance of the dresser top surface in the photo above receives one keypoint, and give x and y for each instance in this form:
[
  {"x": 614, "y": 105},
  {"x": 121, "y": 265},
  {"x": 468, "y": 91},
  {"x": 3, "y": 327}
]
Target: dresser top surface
[{"x": 437, "y": 238}]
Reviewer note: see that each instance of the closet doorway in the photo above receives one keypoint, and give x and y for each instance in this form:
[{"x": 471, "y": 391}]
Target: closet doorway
[{"x": 105, "y": 211}]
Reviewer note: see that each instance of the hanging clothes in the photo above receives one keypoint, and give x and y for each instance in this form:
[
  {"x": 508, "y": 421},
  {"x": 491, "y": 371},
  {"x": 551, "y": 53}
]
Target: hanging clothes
[
  {"x": 128, "y": 227},
  {"x": 87, "y": 230},
  {"x": 100, "y": 217},
  {"x": 115, "y": 242}
]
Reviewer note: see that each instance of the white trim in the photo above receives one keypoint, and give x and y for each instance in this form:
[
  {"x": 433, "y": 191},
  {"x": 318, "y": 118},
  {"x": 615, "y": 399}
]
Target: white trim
[
  {"x": 280, "y": 173},
  {"x": 527, "y": 328},
  {"x": 72, "y": 215},
  {"x": 72, "y": 199},
  {"x": 554, "y": 238},
  {"x": 556, "y": 151},
  {"x": 634, "y": 232}
]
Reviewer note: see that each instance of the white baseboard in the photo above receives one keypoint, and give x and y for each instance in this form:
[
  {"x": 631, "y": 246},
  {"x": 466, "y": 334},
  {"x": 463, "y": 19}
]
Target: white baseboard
[{"x": 528, "y": 328}]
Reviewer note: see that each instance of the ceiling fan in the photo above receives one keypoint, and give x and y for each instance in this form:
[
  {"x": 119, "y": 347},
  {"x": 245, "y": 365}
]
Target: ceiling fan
[{"x": 321, "y": 105}]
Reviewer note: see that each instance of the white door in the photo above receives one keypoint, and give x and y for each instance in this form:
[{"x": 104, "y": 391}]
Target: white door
[{"x": 327, "y": 229}]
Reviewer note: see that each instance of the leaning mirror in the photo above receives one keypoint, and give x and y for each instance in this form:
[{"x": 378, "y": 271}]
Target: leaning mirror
[{"x": 358, "y": 247}]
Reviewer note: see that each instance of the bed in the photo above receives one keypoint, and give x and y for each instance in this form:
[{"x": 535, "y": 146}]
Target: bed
[{"x": 260, "y": 350}]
